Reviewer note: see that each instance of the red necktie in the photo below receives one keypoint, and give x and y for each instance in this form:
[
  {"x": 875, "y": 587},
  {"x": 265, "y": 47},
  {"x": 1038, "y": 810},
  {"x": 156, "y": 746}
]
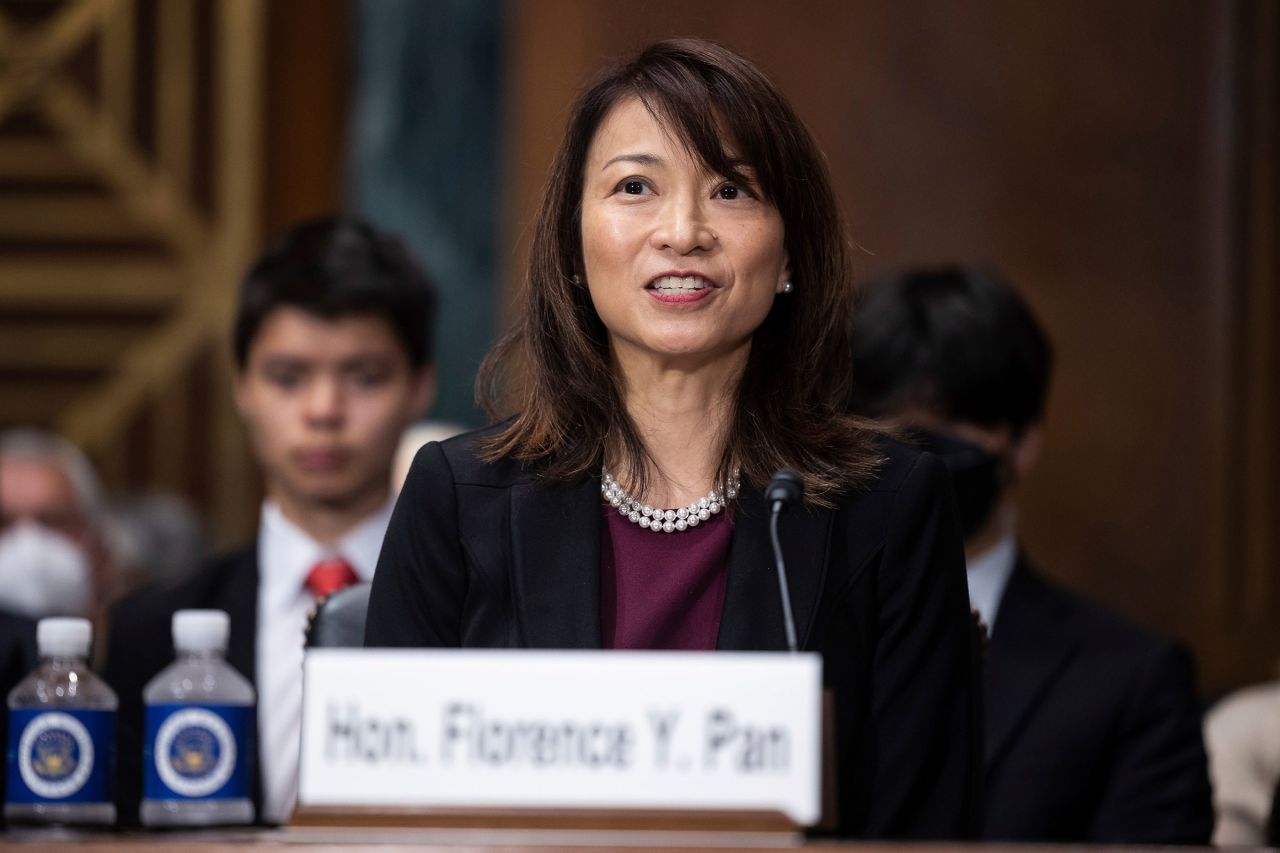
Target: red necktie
[{"x": 330, "y": 575}]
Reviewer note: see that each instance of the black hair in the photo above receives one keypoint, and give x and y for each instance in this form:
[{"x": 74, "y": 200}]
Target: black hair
[
  {"x": 334, "y": 267},
  {"x": 955, "y": 341}
]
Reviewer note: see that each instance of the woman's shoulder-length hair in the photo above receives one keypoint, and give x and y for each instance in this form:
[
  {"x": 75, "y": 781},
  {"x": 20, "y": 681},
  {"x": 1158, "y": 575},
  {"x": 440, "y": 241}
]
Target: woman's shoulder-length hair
[{"x": 553, "y": 369}]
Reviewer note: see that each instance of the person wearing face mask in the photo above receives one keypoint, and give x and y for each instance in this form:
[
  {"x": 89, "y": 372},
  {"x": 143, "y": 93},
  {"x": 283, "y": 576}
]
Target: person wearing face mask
[
  {"x": 1092, "y": 725},
  {"x": 52, "y": 562},
  {"x": 49, "y": 553}
]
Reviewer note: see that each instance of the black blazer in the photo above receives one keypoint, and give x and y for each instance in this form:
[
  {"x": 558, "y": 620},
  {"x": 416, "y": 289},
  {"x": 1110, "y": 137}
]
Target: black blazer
[
  {"x": 141, "y": 644},
  {"x": 17, "y": 658},
  {"x": 1093, "y": 728},
  {"x": 17, "y": 651},
  {"x": 485, "y": 555}
]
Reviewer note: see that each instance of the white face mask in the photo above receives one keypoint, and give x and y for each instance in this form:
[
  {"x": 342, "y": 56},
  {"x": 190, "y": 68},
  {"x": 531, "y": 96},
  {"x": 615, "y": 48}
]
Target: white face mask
[{"x": 42, "y": 573}]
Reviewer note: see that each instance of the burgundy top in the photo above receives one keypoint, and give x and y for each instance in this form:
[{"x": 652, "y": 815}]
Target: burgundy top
[{"x": 662, "y": 590}]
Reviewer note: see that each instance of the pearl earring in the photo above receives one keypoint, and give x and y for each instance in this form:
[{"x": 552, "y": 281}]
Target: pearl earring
[{"x": 787, "y": 287}]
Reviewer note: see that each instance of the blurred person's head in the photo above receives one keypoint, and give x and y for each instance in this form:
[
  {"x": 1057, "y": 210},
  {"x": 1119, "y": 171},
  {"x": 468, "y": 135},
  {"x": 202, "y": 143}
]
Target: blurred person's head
[
  {"x": 333, "y": 348},
  {"x": 955, "y": 355},
  {"x": 152, "y": 537},
  {"x": 51, "y": 559}
]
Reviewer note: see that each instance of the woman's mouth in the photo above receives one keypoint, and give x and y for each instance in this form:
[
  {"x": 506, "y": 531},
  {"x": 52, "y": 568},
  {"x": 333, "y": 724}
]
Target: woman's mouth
[{"x": 680, "y": 288}]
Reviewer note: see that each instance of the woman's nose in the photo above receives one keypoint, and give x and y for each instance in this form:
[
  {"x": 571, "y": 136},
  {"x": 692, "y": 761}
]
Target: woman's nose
[{"x": 684, "y": 227}]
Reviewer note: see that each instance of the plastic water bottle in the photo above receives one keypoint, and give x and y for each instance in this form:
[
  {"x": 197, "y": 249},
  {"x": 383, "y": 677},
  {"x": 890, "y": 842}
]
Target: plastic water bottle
[
  {"x": 62, "y": 728},
  {"x": 198, "y": 749}
]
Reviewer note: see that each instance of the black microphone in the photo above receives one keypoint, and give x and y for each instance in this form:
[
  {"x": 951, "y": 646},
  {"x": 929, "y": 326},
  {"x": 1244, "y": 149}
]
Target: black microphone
[{"x": 785, "y": 489}]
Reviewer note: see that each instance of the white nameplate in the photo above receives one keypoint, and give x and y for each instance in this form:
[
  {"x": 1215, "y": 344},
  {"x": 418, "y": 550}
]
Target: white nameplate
[{"x": 562, "y": 730}]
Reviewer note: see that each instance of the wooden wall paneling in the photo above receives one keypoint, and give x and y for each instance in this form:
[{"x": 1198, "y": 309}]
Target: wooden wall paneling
[
  {"x": 1221, "y": 557},
  {"x": 112, "y": 466},
  {"x": 117, "y": 50},
  {"x": 27, "y": 159},
  {"x": 1240, "y": 629},
  {"x": 240, "y": 25},
  {"x": 134, "y": 445},
  {"x": 65, "y": 217},
  {"x": 37, "y": 398},
  {"x": 170, "y": 449},
  {"x": 142, "y": 372},
  {"x": 35, "y": 54},
  {"x": 107, "y": 110},
  {"x": 72, "y": 347},
  {"x": 1071, "y": 145},
  {"x": 176, "y": 91},
  {"x": 1260, "y": 144},
  {"x": 236, "y": 486},
  {"x": 308, "y": 68},
  {"x": 73, "y": 283},
  {"x": 101, "y": 141},
  {"x": 199, "y": 391},
  {"x": 1266, "y": 276},
  {"x": 552, "y": 49}
]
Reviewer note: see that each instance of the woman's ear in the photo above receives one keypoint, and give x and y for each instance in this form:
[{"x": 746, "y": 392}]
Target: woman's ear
[{"x": 784, "y": 280}]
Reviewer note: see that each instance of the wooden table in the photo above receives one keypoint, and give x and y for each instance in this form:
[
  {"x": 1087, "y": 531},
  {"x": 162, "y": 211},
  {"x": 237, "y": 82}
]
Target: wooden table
[{"x": 351, "y": 839}]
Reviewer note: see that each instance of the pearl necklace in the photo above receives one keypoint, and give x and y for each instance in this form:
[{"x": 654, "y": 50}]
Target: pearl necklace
[{"x": 667, "y": 520}]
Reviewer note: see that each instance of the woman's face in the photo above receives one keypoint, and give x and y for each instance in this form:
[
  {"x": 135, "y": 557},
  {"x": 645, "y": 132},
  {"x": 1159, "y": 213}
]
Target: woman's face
[{"x": 679, "y": 262}]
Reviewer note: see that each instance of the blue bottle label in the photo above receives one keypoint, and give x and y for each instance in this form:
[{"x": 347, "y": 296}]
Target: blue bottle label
[
  {"x": 197, "y": 752},
  {"x": 60, "y": 756}
]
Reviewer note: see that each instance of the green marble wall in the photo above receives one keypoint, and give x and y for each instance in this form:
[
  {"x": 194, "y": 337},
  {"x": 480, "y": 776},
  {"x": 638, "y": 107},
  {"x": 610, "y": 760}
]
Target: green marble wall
[{"x": 424, "y": 161}]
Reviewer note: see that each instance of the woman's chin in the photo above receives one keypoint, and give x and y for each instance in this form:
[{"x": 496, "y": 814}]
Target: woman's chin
[{"x": 686, "y": 352}]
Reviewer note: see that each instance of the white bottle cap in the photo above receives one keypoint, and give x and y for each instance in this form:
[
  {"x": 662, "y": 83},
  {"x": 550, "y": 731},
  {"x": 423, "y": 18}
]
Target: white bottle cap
[
  {"x": 61, "y": 636},
  {"x": 201, "y": 630}
]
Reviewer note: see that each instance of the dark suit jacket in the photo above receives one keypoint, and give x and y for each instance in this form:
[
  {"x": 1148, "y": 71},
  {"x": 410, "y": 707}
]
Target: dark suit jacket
[
  {"x": 17, "y": 651},
  {"x": 17, "y": 658},
  {"x": 141, "y": 644},
  {"x": 1093, "y": 728},
  {"x": 486, "y": 555}
]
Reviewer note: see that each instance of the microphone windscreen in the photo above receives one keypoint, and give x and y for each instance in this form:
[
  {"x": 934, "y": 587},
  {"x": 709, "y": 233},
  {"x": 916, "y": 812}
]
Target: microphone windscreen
[{"x": 786, "y": 486}]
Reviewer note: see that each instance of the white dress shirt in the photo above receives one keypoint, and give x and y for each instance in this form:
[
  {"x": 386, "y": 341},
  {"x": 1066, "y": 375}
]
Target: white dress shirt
[
  {"x": 988, "y": 574},
  {"x": 286, "y": 556}
]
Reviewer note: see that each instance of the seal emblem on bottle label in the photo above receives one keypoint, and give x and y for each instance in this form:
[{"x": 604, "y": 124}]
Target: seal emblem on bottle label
[
  {"x": 55, "y": 755},
  {"x": 195, "y": 752}
]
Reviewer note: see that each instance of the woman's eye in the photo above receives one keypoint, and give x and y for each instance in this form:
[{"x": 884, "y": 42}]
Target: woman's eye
[{"x": 633, "y": 187}]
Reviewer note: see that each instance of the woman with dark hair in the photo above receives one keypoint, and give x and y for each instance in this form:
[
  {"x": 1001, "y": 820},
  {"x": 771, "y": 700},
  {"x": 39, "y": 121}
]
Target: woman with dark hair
[{"x": 685, "y": 334}]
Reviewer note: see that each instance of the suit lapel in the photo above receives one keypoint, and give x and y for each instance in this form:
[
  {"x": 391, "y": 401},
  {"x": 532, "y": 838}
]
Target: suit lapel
[
  {"x": 1026, "y": 652},
  {"x": 555, "y": 547},
  {"x": 752, "y": 615}
]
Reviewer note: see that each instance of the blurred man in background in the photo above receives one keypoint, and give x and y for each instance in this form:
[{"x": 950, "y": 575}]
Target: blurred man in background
[
  {"x": 1092, "y": 724},
  {"x": 333, "y": 349},
  {"x": 153, "y": 536},
  {"x": 1242, "y": 732},
  {"x": 52, "y": 558}
]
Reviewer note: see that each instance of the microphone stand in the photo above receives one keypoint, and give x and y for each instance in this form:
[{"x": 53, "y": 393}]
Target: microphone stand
[{"x": 786, "y": 488}]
